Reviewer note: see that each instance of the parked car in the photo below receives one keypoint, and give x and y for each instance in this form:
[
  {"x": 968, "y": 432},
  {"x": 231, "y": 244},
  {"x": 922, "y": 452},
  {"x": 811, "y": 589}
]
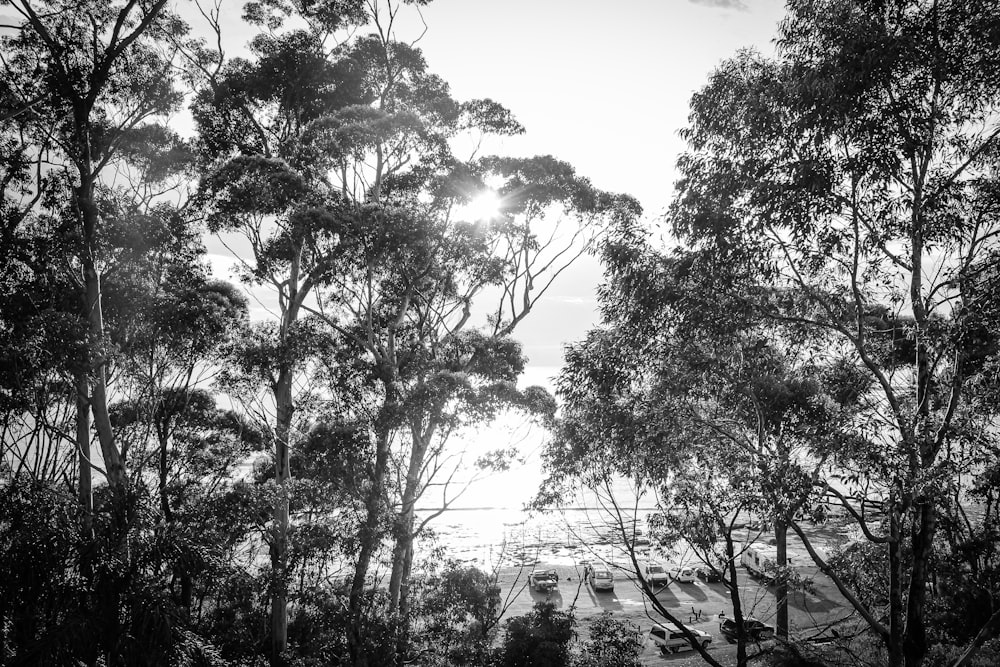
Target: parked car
[
  {"x": 683, "y": 574},
  {"x": 756, "y": 630},
  {"x": 601, "y": 579},
  {"x": 543, "y": 580},
  {"x": 655, "y": 575},
  {"x": 670, "y": 638},
  {"x": 708, "y": 574}
]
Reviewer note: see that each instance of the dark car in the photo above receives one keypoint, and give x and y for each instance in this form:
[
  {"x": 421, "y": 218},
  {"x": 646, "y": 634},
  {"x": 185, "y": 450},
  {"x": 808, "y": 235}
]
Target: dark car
[
  {"x": 543, "y": 580},
  {"x": 709, "y": 575},
  {"x": 756, "y": 630}
]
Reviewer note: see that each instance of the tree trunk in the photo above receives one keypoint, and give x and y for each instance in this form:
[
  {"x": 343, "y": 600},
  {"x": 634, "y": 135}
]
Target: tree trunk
[
  {"x": 279, "y": 538},
  {"x": 85, "y": 481},
  {"x": 187, "y": 593},
  {"x": 114, "y": 466},
  {"x": 915, "y": 642},
  {"x": 369, "y": 531},
  {"x": 895, "y": 589},
  {"x": 403, "y": 529},
  {"x": 734, "y": 597},
  {"x": 403, "y": 638},
  {"x": 85, "y": 495},
  {"x": 781, "y": 541},
  {"x": 403, "y": 540},
  {"x": 402, "y": 553}
]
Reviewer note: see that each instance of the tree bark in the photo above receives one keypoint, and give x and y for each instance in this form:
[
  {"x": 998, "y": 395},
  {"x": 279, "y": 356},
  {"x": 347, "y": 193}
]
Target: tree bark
[
  {"x": 369, "y": 530},
  {"x": 922, "y": 543},
  {"x": 403, "y": 638},
  {"x": 279, "y": 537},
  {"x": 404, "y": 520},
  {"x": 402, "y": 553},
  {"x": 895, "y": 643},
  {"x": 114, "y": 466},
  {"x": 85, "y": 480},
  {"x": 734, "y": 597}
]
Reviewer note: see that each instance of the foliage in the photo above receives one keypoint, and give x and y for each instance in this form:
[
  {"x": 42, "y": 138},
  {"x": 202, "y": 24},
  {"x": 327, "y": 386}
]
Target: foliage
[
  {"x": 539, "y": 638},
  {"x": 845, "y": 188},
  {"x": 612, "y": 642},
  {"x": 55, "y": 616},
  {"x": 456, "y": 614}
]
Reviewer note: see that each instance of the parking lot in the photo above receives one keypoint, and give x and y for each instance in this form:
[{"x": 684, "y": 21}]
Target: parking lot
[{"x": 697, "y": 604}]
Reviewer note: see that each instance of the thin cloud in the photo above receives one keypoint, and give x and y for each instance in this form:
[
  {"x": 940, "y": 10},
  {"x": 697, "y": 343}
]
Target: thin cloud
[{"x": 722, "y": 4}]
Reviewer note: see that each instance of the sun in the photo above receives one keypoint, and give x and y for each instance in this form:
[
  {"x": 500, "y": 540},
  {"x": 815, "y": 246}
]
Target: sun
[{"x": 484, "y": 206}]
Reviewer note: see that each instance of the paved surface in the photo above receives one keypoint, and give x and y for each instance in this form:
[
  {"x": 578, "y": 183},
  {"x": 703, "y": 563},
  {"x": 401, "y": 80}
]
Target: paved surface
[{"x": 696, "y": 604}]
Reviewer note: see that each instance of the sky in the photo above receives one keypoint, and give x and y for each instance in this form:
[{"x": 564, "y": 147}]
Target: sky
[{"x": 603, "y": 86}]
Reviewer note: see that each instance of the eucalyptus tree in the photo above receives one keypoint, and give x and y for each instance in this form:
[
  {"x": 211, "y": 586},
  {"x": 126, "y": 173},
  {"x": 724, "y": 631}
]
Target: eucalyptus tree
[
  {"x": 86, "y": 79},
  {"x": 250, "y": 116},
  {"x": 413, "y": 317},
  {"x": 23, "y": 185},
  {"x": 858, "y": 171},
  {"x": 170, "y": 325},
  {"x": 719, "y": 413},
  {"x": 346, "y": 154},
  {"x": 288, "y": 136}
]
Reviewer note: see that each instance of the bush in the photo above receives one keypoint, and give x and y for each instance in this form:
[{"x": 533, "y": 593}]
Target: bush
[
  {"x": 540, "y": 638},
  {"x": 612, "y": 643},
  {"x": 455, "y": 616}
]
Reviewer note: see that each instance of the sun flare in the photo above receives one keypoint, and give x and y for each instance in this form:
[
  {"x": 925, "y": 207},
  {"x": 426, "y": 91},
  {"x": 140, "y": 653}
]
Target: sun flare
[{"x": 484, "y": 206}]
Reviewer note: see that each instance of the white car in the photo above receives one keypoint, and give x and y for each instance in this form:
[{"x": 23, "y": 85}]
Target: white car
[
  {"x": 601, "y": 579},
  {"x": 655, "y": 575},
  {"x": 684, "y": 574},
  {"x": 670, "y": 639}
]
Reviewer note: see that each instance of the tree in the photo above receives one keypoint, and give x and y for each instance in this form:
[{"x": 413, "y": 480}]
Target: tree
[
  {"x": 717, "y": 413},
  {"x": 856, "y": 172},
  {"x": 612, "y": 642},
  {"x": 405, "y": 304},
  {"x": 455, "y": 616},
  {"x": 176, "y": 335},
  {"x": 251, "y": 118},
  {"x": 348, "y": 199},
  {"x": 541, "y": 637},
  {"x": 88, "y": 79}
]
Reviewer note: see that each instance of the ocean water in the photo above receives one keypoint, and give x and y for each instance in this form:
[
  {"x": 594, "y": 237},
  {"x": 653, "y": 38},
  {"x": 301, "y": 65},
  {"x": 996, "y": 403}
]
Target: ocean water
[
  {"x": 487, "y": 522},
  {"x": 490, "y": 537}
]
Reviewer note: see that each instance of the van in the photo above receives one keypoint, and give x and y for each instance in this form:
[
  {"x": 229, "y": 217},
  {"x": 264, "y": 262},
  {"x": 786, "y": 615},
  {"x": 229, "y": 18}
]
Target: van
[{"x": 761, "y": 561}]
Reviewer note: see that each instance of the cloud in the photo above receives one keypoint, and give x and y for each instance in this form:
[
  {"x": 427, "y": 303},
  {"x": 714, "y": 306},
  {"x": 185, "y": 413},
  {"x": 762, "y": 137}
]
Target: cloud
[{"x": 722, "y": 4}]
